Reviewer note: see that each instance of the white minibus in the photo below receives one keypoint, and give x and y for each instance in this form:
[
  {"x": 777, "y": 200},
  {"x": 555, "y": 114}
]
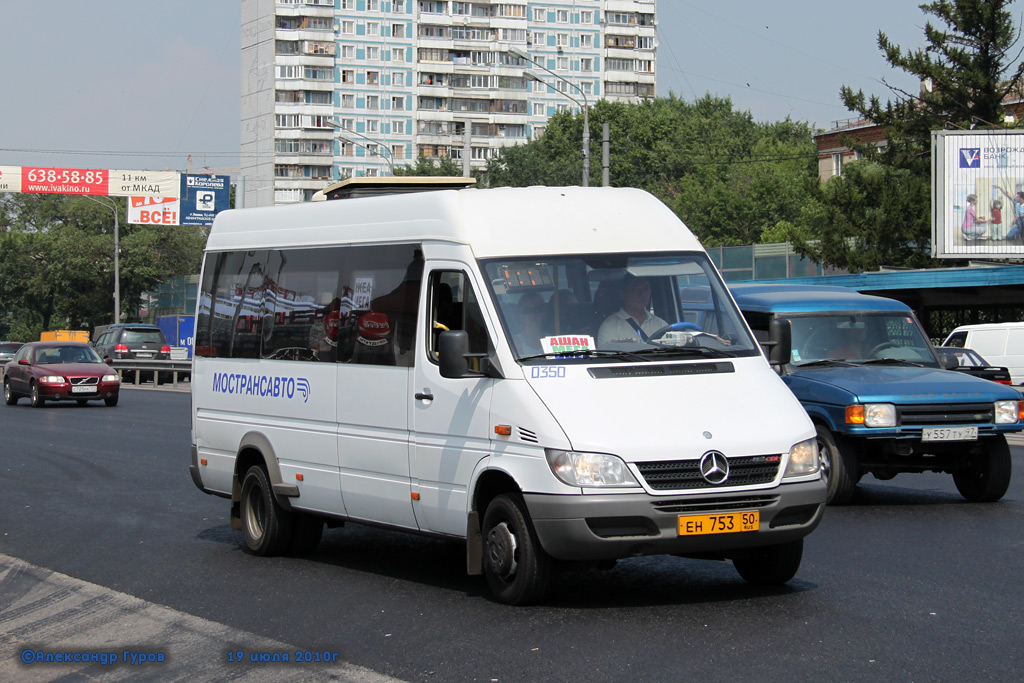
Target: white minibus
[
  {"x": 998, "y": 343},
  {"x": 553, "y": 376}
]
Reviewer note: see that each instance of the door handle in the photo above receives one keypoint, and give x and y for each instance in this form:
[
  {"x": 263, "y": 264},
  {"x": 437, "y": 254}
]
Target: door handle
[{"x": 424, "y": 395}]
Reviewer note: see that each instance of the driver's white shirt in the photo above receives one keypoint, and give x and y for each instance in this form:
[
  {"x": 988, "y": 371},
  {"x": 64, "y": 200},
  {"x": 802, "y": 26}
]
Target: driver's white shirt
[{"x": 616, "y": 327}]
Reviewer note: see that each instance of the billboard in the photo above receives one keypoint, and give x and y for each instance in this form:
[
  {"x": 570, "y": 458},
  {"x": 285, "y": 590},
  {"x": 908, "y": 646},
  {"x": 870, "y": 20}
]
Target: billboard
[
  {"x": 105, "y": 182},
  {"x": 977, "y": 194},
  {"x": 203, "y": 197}
]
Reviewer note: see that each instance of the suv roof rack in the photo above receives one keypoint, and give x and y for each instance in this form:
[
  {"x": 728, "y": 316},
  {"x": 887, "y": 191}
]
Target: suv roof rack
[{"x": 381, "y": 185}]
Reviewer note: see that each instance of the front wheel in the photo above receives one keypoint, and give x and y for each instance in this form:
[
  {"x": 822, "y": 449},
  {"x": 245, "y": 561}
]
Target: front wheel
[
  {"x": 838, "y": 467},
  {"x": 35, "y": 397},
  {"x": 986, "y": 476},
  {"x": 772, "y": 564},
  {"x": 10, "y": 398},
  {"x": 517, "y": 568},
  {"x": 267, "y": 527},
  {"x": 111, "y": 401}
]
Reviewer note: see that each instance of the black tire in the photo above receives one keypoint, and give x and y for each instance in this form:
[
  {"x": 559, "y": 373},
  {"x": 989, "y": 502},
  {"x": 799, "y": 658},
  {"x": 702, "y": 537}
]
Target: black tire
[
  {"x": 10, "y": 398},
  {"x": 771, "y": 565},
  {"x": 35, "y": 397},
  {"x": 267, "y": 527},
  {"x": 517, "y": 568},
  {"x": 986, "y": 475},
  {"x": 838, "y": 467},
  {"x": 306, "y": 533},
  {"x": 111, "y": 400}
]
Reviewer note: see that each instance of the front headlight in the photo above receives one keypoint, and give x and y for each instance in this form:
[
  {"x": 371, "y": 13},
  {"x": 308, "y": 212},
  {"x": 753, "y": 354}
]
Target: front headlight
[
  {"x": 1007, "y": 412},
  {"x": 589, "y": 469},
  {"x": 803, "y": 459},
  {"x": 110, "y": 378},
  {"x": 52, "y": 379},
  {"x": 871, "y": 414}
]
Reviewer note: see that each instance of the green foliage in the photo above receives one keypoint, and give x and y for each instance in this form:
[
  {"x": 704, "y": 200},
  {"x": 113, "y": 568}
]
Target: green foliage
[
  {"x": 728, "y": 177},
  {"x": 430, "y": 167},
  {"x": 56, "y": 261}
]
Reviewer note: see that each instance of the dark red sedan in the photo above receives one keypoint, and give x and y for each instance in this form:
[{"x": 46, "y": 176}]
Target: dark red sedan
[{"x": 59, "y": 371}]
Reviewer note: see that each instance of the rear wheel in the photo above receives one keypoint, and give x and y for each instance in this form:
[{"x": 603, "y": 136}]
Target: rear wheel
[
  {"x": 267, "y": 527},
  {"x": 34, "y": 396},
  {"x": 986, "y": 475},
  {"x": 10, "y": 398},
  {"x": 517, "y": 568},
  {"x": 838, "y": 467},
  {"x": 771, "y": 565}
]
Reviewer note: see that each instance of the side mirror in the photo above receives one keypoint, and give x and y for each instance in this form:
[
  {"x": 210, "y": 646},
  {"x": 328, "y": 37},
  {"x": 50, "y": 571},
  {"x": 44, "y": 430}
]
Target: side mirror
[
  {"x": 948, "y": 361},
  {"x": 452, "y": 349},
  {"x": 780, "y": 339},
  {"x": 24, "y": 361},
  {"x": 108, "y": 361}
]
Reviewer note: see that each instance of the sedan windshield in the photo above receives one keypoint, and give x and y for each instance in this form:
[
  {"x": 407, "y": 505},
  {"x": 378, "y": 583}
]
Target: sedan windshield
[
  {"x": 50, "y": 355},
  {"x": 631, "y": 307},
  {"x": 875, "y": 338}
]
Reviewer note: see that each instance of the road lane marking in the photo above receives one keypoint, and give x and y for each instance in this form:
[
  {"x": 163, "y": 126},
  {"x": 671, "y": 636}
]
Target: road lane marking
[{"x": 42, "y": 610}]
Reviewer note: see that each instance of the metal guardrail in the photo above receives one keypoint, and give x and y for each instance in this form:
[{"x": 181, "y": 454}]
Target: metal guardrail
[{"x": 152, "y": 370}]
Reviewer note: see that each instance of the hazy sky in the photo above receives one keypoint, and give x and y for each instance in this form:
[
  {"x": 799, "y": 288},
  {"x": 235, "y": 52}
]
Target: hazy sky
[{"x": 141, "y": 84}]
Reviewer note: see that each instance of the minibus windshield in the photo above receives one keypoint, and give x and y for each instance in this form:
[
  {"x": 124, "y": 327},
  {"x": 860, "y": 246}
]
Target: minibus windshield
[{"x": 633, "y": 307}]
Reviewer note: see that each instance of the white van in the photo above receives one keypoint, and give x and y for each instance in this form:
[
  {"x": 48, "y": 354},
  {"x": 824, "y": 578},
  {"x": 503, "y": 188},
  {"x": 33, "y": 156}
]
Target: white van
[
  {"x": 437, "y": 362},
  {"x": 999, "y": 343}
]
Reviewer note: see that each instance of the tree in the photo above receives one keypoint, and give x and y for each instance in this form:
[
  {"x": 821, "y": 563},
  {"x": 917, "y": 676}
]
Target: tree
[
  {"x": 426, "y": 166},
  {"x": 966, "y": 71},
  {"x": 56, "y": 261},
  {"x": 727, "y": 177}
]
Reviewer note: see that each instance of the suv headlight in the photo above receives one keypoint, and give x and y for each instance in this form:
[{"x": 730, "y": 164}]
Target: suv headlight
[
  {"x": 51, "y": 379},
  {"x": 871, "y": 414},
  {"x": 589, "y": 469},
  {"x": 1007, "y": 412},
  {"x": 803, "y": 459},
  {"x": 110, "y": 378}
]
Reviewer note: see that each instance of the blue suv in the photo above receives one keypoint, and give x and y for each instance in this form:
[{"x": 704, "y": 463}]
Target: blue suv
[{"x": 879, "y": 396}]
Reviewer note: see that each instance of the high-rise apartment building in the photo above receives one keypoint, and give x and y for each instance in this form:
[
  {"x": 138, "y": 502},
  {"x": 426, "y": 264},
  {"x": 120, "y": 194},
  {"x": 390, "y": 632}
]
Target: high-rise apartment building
[{"x": 340, "y": 88}]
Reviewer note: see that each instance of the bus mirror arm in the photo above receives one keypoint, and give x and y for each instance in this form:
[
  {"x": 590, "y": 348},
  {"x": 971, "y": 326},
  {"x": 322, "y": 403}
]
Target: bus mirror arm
[{"x": 780, "y": 342}]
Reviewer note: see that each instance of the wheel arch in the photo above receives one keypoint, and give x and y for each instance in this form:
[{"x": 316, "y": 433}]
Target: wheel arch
[{"x": 254, "y": 449}]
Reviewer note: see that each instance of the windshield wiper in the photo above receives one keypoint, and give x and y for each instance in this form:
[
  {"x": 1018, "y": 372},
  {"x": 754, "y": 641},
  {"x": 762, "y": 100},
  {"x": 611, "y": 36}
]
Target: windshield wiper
[
  {"x": 584, "y": 353},
  {"x": 891, "y": 361},
  {"x": 828, "y": 361},
  {"x": 685, "y": 351}
]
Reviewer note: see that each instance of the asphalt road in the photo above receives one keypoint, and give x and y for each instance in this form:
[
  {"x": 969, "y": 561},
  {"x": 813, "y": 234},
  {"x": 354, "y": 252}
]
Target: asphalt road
[{"x": 106, "y": 546}]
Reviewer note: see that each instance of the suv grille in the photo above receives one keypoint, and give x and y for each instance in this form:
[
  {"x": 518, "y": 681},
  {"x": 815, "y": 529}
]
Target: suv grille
[
  {"x": 685, "y": 474},
  {"x": 947, "y": 413},
  {"x": 83, "y": 381}
]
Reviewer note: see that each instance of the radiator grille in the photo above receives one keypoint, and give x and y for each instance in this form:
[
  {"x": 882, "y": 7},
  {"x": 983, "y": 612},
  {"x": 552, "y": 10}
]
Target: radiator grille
[
  {"x": 685, "y": 474},
  {"x": 945, "y": 413},
  {"x": 704, "y": 504},
  {"x": 83, "y": 381}
]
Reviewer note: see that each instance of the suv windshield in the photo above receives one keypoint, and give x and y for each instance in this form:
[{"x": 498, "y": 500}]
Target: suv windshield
[
  {"x": 859, "y": 338},
  {"x": 631, "y": 306}
]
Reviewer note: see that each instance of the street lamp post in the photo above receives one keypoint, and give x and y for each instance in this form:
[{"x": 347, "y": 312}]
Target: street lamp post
[
  {"x": 389, "y": 158},
  {"x": 117, "y": 266},
  {"x": 585, "y": 106}
]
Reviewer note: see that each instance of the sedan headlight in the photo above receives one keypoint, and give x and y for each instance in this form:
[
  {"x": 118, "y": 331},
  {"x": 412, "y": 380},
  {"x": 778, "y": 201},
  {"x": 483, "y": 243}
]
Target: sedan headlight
[
  {"x": 871, "y": 414},
  {"x": 51, "y": 379},
  {"x": 589, "y": 469},
  {"x": 1007, "y": 412},
  {"x": 110, "y": 378},
  {"x": 803, "y": 459}
]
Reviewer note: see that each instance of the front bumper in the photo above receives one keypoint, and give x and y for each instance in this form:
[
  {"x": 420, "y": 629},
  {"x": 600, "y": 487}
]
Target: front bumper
[{"x": 608, "y": 527}]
